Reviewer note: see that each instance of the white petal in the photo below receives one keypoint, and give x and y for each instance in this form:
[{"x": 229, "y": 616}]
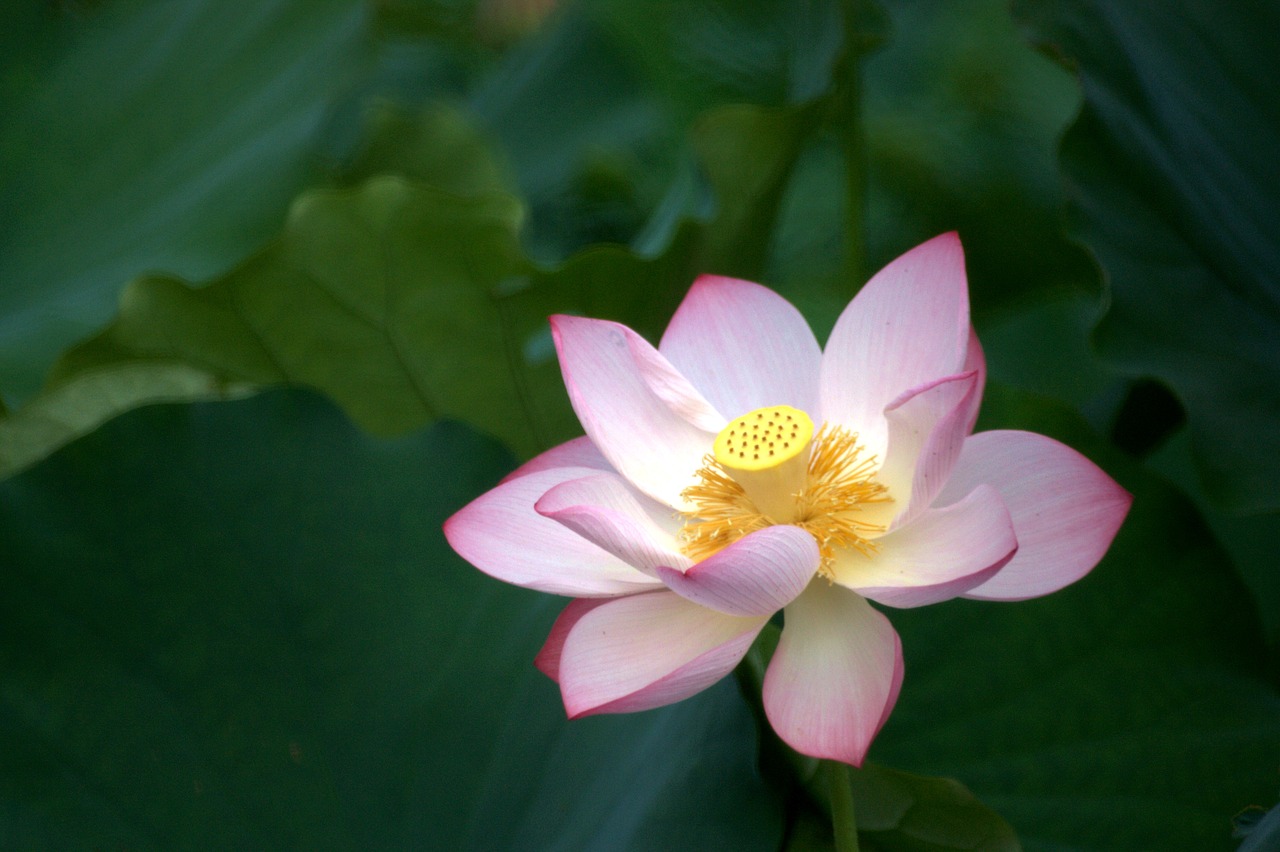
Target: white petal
[
  {"x": 939, "y": 555},
  {"x": 909, "y": 325},
  {"x": 744, "y": 346},
  {"x": 648, "y": 421},
  {"x": 500, "y": 533},
  {"x": 1065, "y": 509},
  {"x": 757, "y": 575},
  {"x": 579, "y": 452},
  {"x": 603, "y": 510},
  {"x": 927, "y": 428},
  {"x": 648, "y": 650},
  {"x": 835, "y": 676}
]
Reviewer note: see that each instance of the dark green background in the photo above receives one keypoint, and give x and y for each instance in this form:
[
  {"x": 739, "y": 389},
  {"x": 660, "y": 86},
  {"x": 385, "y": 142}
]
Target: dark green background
[{"x": 228, "y": 617}]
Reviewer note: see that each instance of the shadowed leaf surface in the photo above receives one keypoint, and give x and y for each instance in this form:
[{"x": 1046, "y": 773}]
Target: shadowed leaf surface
[
  {"x": 140, "y": 136},
  {"x": 238, "y": 626},
  {"x": 1134, "y": 709},
  {"x": 1174, "y": 189}
]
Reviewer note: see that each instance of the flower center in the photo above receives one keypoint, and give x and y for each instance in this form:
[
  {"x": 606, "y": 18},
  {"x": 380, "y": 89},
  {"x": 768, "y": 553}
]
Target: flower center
[
  {"x": 770, "y": 467},
  {"x": 766, "y": 451}
]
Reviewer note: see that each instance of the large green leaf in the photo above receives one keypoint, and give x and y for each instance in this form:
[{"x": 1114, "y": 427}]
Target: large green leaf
[
  {"x": 405, "y": 302},
  {"x": 379, "y": 295},
  {"x": 140, "y": 136},
  {"x": 1136, "y": 709},
  {"x": 1174, "y": 189},
  {"x": 238, "y": 626}
]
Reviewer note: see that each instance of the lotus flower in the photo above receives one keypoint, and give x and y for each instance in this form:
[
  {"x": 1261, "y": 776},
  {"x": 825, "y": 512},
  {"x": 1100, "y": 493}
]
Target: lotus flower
[{"x": 740, "y": 469}]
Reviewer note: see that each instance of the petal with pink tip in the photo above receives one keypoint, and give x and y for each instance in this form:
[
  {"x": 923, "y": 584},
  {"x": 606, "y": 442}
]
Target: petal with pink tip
[
  {"x": 909, "y": 325},
  {"x": 579, "y": 452},
  {"x": 500, "y": 533},
  {"x": 744, "y": 346},
  {"x": 548, "y": 659},
  {"x": 927, "y": 428},
  {"x": 1065, "y": 509},
  {"x": 757, "y": 575},
  {"x": 606, "y": 512},
  {"x": 645, "y": 418},
  {"x": 939, "y": 555},
  {"x": 645, "y": 651},
  {"x": 835, "y": 676}
]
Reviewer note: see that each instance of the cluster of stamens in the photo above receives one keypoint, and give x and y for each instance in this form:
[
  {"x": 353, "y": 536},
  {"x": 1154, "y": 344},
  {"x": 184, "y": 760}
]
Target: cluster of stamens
[{"x": 832, "y": 483}]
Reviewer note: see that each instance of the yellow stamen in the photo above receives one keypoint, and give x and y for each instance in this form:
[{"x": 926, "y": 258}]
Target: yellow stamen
[{"x": 737, "y": 494}]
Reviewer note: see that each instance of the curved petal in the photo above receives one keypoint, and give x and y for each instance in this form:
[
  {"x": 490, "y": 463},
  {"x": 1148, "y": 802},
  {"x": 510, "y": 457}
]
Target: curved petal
[
  {"x": 835, "y": 676},
  {"x": 500, "y": 533},
  {"x": 941, "y": 554},
  {"x": 907, "y": 326},
  {"x": 1065, "y": 509},
  {"x": 976, "y": 361},
  {"x": 645, "y": 418},
  {"x": 579, "y": 452},
  {"x": 548, "y": 659},
  {"x": 604, "y": 511},
  {"x": 756, "y": 575},
  {"x": 927, "y": 428},
  {"x": 744, "y": 347},
  {"x": 648, "y": 650}
]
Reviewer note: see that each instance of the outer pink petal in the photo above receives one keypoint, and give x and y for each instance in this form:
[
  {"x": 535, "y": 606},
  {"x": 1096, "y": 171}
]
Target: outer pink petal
[
  {"x": 927, "y": 428},
  {"x": 976, "y": 361},
  {"x": 1065, "y": 509},
  {"x": 757, "y": 575},
  {"x": 835, "y": 676},
  {"x": 500, "y": 533},
  {"x": 604, "y": 511},
  {"x": 939, "y": 555},
  {"x": 909, "y": 325},
  {"x": 548, "y": 659},
  {"x": 649, "y": 422},
  {"x": 579, "y": 452},
  {"x": 744, "y": 347},
  {"x": 648, "y": 650}
]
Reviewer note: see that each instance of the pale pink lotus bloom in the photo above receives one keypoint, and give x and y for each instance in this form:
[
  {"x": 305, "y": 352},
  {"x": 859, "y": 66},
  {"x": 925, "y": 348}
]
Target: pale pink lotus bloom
[{"x": 679, "y": 530}]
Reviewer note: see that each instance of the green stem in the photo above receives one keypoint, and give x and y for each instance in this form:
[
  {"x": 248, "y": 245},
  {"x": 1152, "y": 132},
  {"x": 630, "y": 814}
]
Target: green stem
[{"x": 840, "y": 794}]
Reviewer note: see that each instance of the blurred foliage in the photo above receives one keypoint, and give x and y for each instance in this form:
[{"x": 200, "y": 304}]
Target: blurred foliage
[
  {"x": 1175, "y": 195},
  {"x": 1124, "y": 712},
  {"x": 240, "y": 619},
  {"x": 291, "y": 657},
  {"x": 140, "y": 135}
]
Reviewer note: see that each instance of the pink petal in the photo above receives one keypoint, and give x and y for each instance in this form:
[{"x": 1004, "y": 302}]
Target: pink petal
[
  {"x": 500, "y": 533},
  {"x": 927, "y": 428},
  {"x": 648, "y": 650},
  {"x": 939, "y": 555},
  {"x": 908, "y": 326},
  {"x": 579, "y": 452},
  {"x": 757, "y": 575},
  {"x": 642, "y": 415},
  {"x": 606, "y": 512},
  {"x": 976, "y": 362},
  {"x": 835, "y": 676},
  {"x": 548, "y": 659},
  {"x": 1065, "y": 509},
  {"x": 744, "y": 347}
]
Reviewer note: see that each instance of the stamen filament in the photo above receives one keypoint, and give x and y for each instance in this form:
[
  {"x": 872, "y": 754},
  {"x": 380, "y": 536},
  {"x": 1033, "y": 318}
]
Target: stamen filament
[{"x": 836, "y": 484}]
